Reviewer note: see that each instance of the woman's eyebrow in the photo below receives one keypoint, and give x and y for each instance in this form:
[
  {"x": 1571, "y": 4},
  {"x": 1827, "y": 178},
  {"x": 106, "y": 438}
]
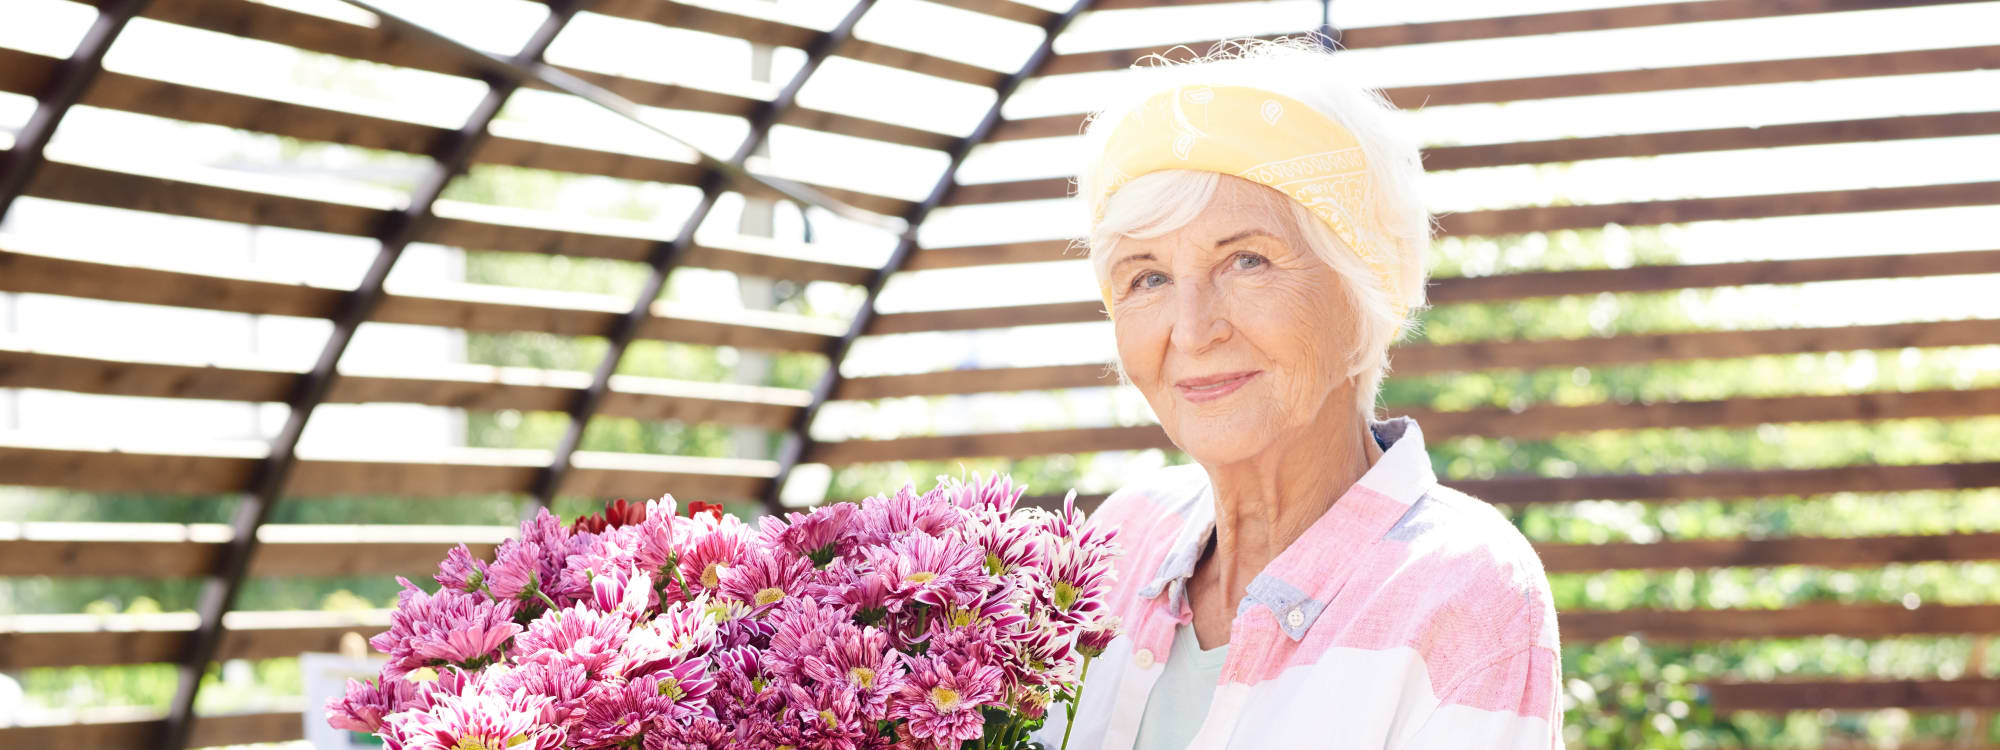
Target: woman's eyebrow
[
  {"x": 1129, "y": 259},
  {"x": 1244, "y": 235}
]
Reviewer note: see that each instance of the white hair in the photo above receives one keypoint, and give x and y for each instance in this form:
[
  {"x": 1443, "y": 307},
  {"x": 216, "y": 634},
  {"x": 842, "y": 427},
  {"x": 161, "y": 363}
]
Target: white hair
[{"x": 1394, "y": 222}]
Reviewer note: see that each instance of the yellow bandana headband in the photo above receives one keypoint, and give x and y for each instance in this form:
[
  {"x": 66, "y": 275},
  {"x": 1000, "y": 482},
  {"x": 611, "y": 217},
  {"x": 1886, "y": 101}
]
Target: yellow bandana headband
[{"x": 1260, "y": 136}]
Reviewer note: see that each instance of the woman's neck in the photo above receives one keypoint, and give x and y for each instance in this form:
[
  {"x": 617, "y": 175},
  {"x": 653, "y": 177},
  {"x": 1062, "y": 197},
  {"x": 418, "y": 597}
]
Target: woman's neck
[{"x": 1266, "y": 502}]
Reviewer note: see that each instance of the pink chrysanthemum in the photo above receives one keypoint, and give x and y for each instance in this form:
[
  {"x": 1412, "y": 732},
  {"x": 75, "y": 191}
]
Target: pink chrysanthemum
[
  {"x": 997, "y": 493},
  {"x": 448, "y": 628},
  {"x": 367, "y": 703},
  {"x": 716, "y": 544},
  {"x": 460, "y": 570},
  {"x": 1075, "y": 579},
  {"x": 929, "y": 570},
  {"x": 941, "y": 700},
  {"x": 883, "y": 519},
  {"x": 822, "y": 536},
  {"x": 764, "y": 579},
  {"x": 473, "y": 721},
  {"x": 578, "y": 635}
]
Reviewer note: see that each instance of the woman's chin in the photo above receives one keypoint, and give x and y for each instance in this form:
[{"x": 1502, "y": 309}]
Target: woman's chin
[{"x": 1216, "y": 442}]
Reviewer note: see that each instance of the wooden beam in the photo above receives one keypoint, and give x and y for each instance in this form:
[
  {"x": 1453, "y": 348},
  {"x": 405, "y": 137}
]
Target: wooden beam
[
  {"x": 1913, "y": 62},
  {"x": 391, "y": 46},
  {"x": 473, "y": 388},
  {"x": 205, "y": 731},
  {"x": 1759, "y": 553},
  {"x": 1803, "y": 621},
  {"x": 64, "y": 85},
  {"x": 989, "y": 255},
  {"x": 1533, "y": 423},
  {"x": 798, "y": 441},
  {"x": 1006, "y": 9},
  {"x": 1646, "y": 213},
  {"x": 1513, "y": 286},
  {"x": 450, "y": 474},
  {"x": 1818, "y": 695},
  {"x": 270, "y": 480},
  {"x": 1487, "y": 355},
  {"x": 1561, "y": 150},
  {"x": 31, "y": 641},
  {"x": 1597, "y": 19},
  {"x": 663, "y": 258},
  {"x": 470, "y": 307}
]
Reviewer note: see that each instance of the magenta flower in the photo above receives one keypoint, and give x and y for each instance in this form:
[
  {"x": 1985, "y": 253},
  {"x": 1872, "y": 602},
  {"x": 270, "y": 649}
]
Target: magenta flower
[
  {"x": 1076, "y": 578},
  {"x": 821, "y": 536},
  {"x": 997, "y": 493},
  {"x": 941, "y": 701},
  {"x": 929, "y": 570},
  {"x": 883, "y": 519},
  {"x": 763, "y": 579},
  {"x": 473, "y": 721},
  {"x": 460, "y": 570},
  {"x": 366, "y": 703},
  {"x": 716, "y": 545},
  {"x": 578, "y": 635},
  {"x": 449, "y": 628}
]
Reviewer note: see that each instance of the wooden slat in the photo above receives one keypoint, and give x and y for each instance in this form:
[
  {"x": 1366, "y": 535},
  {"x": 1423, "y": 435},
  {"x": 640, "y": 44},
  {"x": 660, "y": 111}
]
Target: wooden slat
[
  {"x": 1488, "y": 355},
  {"x": 1596, "y": 19},
  {"x": 1703, "y": 276},
  {"x": 1006, "y": 9},
  {"x": 1815, "y": 695},
  {"x": 477, "y": 310},
  {"x": 391, "y": 47},
  {"x": 597, "y": 474},
  {"x": 1914, "y": 62},
  {"x": 1646, "y": 213},
  {"x": 989, "y": 255},
  {"x": 1533, "y": 423},
  {"x": 1724, "y": 553},
  {"x": 207, "y": 731},
  {"x": 778, "y": 33},
  {"x": 1445, "y": 158},
  {"x": 1846, "y": 620},
  {"x": 1734, "y": 483},
  {"x": 82, "y": 641},
  {"x": 91, "y": 558},
  {"x": 1525, "y": 286},
  {"x": 513, "y": 388}
]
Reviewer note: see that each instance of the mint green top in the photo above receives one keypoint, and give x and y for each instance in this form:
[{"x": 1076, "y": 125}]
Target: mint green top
[{"x": 1180, "y": 699}]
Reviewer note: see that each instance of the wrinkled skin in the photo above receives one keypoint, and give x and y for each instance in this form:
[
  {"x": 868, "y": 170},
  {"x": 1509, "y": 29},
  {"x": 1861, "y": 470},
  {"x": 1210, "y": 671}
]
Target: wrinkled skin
[{"x": 1238, "y": 290}]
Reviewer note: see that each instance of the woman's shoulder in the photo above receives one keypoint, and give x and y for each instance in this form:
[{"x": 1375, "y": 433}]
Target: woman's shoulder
[{"x": 1476, "y": 566}]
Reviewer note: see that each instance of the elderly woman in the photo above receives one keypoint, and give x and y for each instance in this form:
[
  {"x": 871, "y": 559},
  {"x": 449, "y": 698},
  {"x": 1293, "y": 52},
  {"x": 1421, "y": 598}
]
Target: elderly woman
[{"x": 1307, "y": 583}]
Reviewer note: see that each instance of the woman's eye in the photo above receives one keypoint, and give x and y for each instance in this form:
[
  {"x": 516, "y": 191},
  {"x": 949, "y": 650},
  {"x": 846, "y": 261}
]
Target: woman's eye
[
  {"x": 1149, "y": 280},
  {"x": 1247, "y": 261}
]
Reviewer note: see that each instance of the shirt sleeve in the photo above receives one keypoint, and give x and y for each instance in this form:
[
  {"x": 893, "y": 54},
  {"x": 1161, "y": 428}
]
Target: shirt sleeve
[{"x": 1511, "y": 702}]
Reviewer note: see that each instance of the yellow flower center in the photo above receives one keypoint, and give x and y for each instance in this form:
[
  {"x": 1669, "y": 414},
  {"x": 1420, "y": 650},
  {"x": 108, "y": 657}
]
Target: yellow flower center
[
  {"x": 946, "y": 699},
  {"x": 671, "y": 688},
  {"x": 769, "y": 595},
  {"x": 921, "y": 576},
  {"x": 1065, "y": 595},
  {"x": 709, "y": 577},
  {"x": 961, "y": 618},
  {"x": 863, "y": 676},
  {"x": 476, "y": 743},
  {"x": 827, "y": 716}
]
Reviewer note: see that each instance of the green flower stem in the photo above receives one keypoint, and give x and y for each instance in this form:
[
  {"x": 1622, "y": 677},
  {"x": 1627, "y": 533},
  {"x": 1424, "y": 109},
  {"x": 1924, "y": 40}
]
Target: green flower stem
[{"x": 1070, "y": 722}]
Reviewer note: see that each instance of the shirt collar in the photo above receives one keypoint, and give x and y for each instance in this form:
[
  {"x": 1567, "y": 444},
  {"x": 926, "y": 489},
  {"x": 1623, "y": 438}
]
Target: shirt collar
[{"x": 1322, "y": 556}]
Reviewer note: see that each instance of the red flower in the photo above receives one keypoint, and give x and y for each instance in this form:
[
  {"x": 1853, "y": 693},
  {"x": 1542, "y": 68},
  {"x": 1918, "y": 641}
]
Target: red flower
[{"x": 714, "y": 509}]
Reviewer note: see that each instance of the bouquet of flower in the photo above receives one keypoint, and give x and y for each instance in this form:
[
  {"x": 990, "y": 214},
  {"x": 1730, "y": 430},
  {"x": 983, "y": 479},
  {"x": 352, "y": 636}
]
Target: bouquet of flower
[{"x": 949, "y": 619}]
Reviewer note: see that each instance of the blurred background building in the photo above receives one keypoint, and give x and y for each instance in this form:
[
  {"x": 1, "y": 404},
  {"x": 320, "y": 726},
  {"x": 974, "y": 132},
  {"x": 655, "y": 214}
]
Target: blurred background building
[{"x": 292, "y": 297}]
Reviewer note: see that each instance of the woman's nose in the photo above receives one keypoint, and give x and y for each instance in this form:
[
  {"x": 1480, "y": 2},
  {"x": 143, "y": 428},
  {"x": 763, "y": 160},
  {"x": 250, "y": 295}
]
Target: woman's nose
[{"x": 1199, "y": 318}]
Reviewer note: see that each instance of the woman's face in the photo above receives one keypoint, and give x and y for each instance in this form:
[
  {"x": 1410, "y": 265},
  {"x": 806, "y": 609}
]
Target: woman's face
[{"x": 1233, "y": 329}]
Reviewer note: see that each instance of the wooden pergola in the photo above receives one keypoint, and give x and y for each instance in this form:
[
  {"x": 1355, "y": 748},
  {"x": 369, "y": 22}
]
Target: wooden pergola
[{"x": 250, "y": 549}]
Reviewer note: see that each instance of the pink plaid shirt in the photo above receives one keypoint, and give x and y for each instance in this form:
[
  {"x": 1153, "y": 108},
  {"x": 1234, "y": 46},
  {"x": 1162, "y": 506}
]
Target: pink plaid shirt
[{"x": 1409, "y": 616}]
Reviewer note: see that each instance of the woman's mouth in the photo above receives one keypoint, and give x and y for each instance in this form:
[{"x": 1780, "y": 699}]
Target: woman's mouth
[{"x": 1212, "y": 387}]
